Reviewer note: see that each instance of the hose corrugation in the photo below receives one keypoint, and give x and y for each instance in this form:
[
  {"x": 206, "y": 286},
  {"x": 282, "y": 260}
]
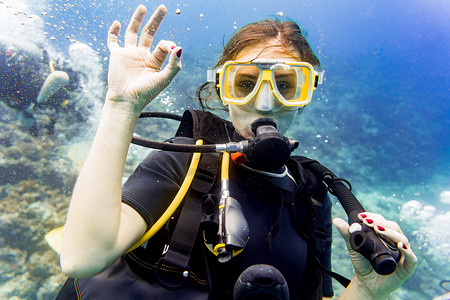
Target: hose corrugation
[{"x": 344, "y": 195}]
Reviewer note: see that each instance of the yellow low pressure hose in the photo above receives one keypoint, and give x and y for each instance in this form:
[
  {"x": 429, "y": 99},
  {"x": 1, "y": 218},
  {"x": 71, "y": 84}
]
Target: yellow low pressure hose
[
  {"x": 225, "y": 165},
  {"x": 54, "y": 237},
  {"x": 175, "y": 203}
]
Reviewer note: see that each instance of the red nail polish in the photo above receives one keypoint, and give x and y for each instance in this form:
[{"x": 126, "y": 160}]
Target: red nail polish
[
  {"x": 370, "y": 221},
  {"x": 404, "y": 246},
  {"x": 179, "y": 52},
  {"x": 173, "y": 47},
  {"x": 380, "y": 228},
  {"x": 363, "y": 216}
]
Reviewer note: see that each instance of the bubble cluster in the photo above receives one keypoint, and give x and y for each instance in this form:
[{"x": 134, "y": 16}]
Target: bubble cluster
[
  {"x": 445, "y": 197},
  {"x": 431, "y": 227}
]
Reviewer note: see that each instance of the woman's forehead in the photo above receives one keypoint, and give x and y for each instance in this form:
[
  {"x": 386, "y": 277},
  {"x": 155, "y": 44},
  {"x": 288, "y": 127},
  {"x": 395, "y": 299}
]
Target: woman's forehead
[{"x": 268, "y": 51}]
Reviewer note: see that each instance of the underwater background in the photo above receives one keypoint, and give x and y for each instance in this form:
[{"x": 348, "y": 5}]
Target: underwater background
[{"x": 381, "y": 119}]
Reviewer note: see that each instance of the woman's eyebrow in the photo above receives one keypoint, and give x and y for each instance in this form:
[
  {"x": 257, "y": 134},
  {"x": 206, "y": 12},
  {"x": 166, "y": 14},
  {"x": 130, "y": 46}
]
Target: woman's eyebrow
[{"x": 247, "y": 75}]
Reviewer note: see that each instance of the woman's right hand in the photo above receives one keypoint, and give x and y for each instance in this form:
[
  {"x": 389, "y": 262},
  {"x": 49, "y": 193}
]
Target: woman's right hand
[{"x": 135, "y": 77}]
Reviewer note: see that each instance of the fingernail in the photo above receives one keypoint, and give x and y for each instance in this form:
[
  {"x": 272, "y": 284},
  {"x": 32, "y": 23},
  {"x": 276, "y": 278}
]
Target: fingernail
[
  {"x": 370, "y": 221},
  {"x": 380, "y": 228},
  {"x": 179, "y": 52},
  {"x": 404, "y": 246},
  {"x": 363, "y": 216},
  {"x": 173, "y": 47}
]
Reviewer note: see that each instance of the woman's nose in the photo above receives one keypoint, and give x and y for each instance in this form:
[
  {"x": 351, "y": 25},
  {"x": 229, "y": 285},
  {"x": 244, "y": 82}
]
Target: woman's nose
[{"x": 264, "y": 101}]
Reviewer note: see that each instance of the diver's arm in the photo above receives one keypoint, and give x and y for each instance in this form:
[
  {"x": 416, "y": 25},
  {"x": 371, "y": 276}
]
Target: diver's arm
[
  {"x": 99, "y": 227},
  {"x": 366, "y": 283}
]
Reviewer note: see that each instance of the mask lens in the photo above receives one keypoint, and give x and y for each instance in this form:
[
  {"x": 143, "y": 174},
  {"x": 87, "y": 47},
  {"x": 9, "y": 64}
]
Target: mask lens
[
  {"x": 286, "y": 83},
  {"x": 240, "y": 81},
  {"x": 292, "y": 83}
]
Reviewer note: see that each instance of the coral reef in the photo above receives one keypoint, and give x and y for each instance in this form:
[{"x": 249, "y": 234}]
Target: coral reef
[
  {"x": 36, "y": 177},
  {"x": 28, "y": 265}
]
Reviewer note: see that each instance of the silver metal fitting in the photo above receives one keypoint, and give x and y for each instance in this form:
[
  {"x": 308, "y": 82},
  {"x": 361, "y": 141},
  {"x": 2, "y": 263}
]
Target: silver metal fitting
[{"x": 230, "y": 147}]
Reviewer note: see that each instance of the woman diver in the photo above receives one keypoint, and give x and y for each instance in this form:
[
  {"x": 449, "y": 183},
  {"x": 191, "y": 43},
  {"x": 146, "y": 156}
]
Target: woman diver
[{"x": 267, "y": 72}]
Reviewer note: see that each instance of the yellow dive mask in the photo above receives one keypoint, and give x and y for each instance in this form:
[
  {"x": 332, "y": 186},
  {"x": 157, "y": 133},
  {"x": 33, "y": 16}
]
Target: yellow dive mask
[{"x": 292, "y": 83}]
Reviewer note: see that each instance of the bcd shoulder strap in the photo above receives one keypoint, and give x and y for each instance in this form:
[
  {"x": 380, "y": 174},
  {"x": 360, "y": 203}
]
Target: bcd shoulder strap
[
  {"x": 204, "y": 125},
  {"x": 178, "y": 253},
  {"x": 317, "y": 216}
]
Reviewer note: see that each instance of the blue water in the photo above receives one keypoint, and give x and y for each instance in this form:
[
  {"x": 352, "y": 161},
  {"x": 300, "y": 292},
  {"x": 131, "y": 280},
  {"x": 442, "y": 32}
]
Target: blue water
[{"x": 381, "y": 119}]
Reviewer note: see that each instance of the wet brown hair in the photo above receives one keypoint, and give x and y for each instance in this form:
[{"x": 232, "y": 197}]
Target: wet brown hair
[{"x": 287, "y": 34}]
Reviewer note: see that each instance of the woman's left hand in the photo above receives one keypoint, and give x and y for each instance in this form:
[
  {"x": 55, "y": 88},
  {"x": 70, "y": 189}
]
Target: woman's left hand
[{"x": 380, "y": 285}]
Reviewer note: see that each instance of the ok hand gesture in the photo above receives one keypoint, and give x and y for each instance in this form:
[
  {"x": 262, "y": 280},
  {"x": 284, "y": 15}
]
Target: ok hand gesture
[{"x": 135, "y": 76}]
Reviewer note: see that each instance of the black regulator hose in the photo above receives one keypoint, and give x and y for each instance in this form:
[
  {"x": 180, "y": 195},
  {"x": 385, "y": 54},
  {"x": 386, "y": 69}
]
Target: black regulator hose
[
  {"x": 158, "y": 114},
  {"x": 259, "y": 151},
  {"x": 169, "y": 146},
  {"x": 173, "y": 147},
  {"x": 380, "y": 253}
]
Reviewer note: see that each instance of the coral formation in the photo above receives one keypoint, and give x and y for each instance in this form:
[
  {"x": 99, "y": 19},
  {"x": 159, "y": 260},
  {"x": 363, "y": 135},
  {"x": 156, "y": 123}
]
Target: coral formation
[{"x": 36, "y": 177}]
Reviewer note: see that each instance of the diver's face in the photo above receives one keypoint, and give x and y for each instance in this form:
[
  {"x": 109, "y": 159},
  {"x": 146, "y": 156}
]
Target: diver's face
[{"x": 264, "y": 104}]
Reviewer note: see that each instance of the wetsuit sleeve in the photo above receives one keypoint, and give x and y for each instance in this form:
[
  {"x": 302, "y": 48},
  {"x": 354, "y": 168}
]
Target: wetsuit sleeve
[{"x": 155, "y": 182}]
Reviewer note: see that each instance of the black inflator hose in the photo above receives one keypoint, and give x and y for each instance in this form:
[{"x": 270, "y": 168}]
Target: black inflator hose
[
  {"x": 340, "y": 190},
  {"x": 381, "y": 254}
]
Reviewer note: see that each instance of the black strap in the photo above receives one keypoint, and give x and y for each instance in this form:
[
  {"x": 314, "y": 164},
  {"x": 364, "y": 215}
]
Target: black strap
[
  {"x": 339, "y": 278},
  {"x": 181, "y": 244},
  {"x": 178, "y": 254}
]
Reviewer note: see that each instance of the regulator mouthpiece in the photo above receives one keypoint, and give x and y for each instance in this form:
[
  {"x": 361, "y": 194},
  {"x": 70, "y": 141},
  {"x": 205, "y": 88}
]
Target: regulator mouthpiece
[{"x": 269, "y": 150}]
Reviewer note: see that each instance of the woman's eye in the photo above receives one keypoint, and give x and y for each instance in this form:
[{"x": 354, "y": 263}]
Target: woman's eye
[
  {"x": 283, "y": 85},
  {"x": 246, "y": 85}
]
